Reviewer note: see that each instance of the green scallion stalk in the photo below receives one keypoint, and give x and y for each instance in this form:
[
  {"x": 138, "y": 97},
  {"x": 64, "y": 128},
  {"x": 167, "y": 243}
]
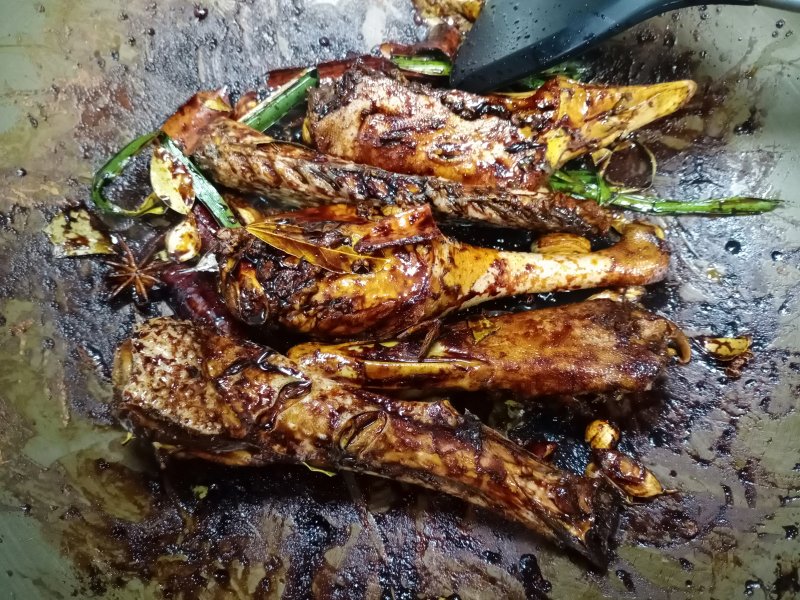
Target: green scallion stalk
[
  {"x": 261, "y": 117},
  {"x": 434, "y": 65},
  {"x": 275, "y": 106},
  {"x": 112, "y": 169},
  {"x": 571, "y": 69},
  {"x": 592, "y": 186},
  {"x": 424, "y": 64},
  {"x": 733, "y": 205}
]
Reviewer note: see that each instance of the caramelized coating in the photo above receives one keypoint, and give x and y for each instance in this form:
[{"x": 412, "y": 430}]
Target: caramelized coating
[
  {"x": 192, "y": 295},
  {"x": 596, "y": 346},
  {"x": 629, "y": 475},
  {"x": 242, "y": 159},
  {"x": 234, "y": 402},
  {"x": 514, "y": 141},
  {"x": 185, "y": 124},
  {"x": 463, "y": 12},
  {"x": 406, "y": 282}
]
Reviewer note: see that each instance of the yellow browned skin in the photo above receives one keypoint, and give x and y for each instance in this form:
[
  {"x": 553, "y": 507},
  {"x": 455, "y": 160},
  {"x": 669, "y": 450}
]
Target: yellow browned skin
[
  {"x": 186, "y": 123},
  {"x": 243, "y": 159},
  {"x": 459, "y": 10},
  {"x": 405, "y": 283},
  {"x": 237, "y": 403},
  {"x": 596, "y": 346},
  {"x": 514, "y": 141}
]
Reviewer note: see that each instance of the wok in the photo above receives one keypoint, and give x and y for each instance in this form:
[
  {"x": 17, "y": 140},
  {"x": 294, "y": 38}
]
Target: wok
[{"x": 84, "y": 514}]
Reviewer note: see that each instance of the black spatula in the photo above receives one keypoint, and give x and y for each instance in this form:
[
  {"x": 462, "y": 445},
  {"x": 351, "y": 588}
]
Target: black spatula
[{"x": 515, "y": 38}]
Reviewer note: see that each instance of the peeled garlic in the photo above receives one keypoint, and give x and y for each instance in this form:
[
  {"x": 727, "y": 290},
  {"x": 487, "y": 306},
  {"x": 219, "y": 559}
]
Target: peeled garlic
[
  {"x": 183, "y": 241},
  {"x": 602, "y": 435}
]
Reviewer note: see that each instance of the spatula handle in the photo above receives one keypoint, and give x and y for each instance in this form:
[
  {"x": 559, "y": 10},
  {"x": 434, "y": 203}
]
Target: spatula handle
[
  {"x": 513, "y": 38},
  {"x": 793, "y": 5}
]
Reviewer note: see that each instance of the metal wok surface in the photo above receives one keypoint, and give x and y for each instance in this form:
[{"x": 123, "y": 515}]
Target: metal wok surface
[{"x": 82, "y": 515}]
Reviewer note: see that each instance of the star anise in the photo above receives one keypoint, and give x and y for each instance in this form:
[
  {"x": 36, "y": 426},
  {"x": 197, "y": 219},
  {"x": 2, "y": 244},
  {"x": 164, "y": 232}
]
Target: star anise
[{"x": 139, "y": 276}]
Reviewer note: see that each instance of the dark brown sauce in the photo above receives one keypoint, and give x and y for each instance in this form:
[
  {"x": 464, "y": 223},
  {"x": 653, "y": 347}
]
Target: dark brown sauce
[{"x": 276, "y": 530}]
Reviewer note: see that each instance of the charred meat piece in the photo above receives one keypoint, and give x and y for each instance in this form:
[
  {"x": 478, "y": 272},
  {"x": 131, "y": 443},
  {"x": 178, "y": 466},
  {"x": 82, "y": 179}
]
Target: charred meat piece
[
  {"x": 361, "y": 278},
  {"x": 597, "y": 346},
  {"x": 243, "y": 159},
  {"x": 514, "y": 141},
  {"x": 234, "y": 402}
]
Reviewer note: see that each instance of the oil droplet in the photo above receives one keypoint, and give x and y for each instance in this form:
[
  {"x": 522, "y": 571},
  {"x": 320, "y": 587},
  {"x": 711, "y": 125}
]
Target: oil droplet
[
  {"x": 777, "y": 255},
  {"x": 726, "y": 490},
  {"x": 780, "y": 23},
  {"x": 532, "y": 580},
  {"x": 200, "y": 12},
  {"x": 646, "y": 36},
  {"x": 750, "y": 586},
  {"x": 221, "y": 576},
  {"x": 626, "y": 579},
  {"x": 324, "y": 41},
  {"x": 733, "y": 246}
]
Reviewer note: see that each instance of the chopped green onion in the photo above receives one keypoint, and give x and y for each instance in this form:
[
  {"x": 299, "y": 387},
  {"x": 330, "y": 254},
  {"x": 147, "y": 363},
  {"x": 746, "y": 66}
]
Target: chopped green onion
[
  {"x": 437, "y": 65},
  {"x": 273, "y": 108},
  {"x": 261, "y": 117},
  {"x": 204, "y": 191},
  {"x": 592, "y": 186},
  {"x": 112, "y": 169},
  {"x": 733, "y": 205},
  {"x": 424, "y": 64},
  {"x": 200, "y": 491},
  {"x": 572, "y": 69}
]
